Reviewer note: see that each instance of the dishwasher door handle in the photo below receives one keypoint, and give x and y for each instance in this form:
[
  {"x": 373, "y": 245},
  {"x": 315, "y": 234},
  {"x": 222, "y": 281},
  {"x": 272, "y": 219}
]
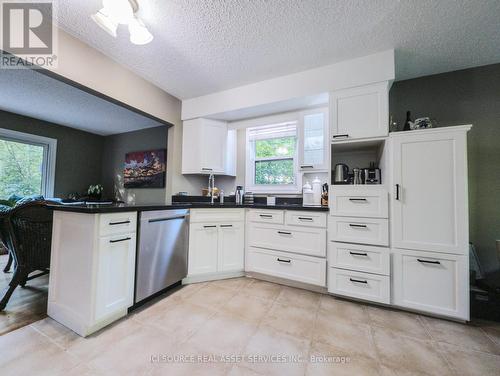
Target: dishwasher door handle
[{"x": 166, "y": 218}]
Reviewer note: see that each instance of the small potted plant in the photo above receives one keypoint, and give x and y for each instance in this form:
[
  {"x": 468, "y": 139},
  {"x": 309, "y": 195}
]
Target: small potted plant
[{"x": 95, "y": 192}]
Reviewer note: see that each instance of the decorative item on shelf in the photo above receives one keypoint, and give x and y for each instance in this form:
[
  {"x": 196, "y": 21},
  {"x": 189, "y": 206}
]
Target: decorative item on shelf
[
  {"x": 145, "y": 169},
  {"x": 271, "y": 200},
  {"x": 307, "y": 194},
  {"x": 221, "y": 196},
  {"x": 205, "y": 192},
  {"x": 422, "y": 123},
  {"x": 182, "y": 193},
  {"x": 324, "y": 195},
  {"x": 248, "y": 198},
  {"x": 316, "y": 188},
  {"x": 95, "y": 191},
  {"x": 408, "y": 123},
  {"x": 393, "y": 125}
]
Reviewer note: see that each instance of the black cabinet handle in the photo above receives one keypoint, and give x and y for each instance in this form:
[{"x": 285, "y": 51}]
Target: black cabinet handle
[
  {"x": 209, "y": 226},
  {"x": 397, "y": 192},
  {"x": 166, "y": 219},
  {"x": 265, "y": 215},
  {"x": 354, "y": 225},
  {"x": 206, "y": 169},
  {"x": 118, "y": 223},
  {"x": 281, "y": 260},
  {"x": 358, "y": 199},
  {"x": 358, "y": 254},
  {"x": 305, "y": 219},
  {"x": 429, "y": 262},
  {"x": 358, "y": 281},
  {"x": 119, "y": 240},
  {"x": 284, "y": 233},
  {"x": 226, "y": 225},
  {"x": 340, "y": 135},
  {"x": 307, "y": 166}
]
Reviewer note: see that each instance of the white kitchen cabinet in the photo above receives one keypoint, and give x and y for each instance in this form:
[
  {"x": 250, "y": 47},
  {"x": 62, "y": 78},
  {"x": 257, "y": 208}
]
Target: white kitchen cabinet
[
  {"x": 429, "y": 205},
  {"x": 231, "y": 239},
  {"x": 216, "y": 244},
  {"x": 359, "y": 201},
  {"x": 359, "y": 112},
  {"x": 366, "y": 286},
  {"x": 204, "y": 147},
  {"x": 313, "y": 140},
  {"x": 115, "y": 274},
  {"x": 203, "y": 247},
  {"x": 370, "y": 231},
  {"x": 92, "y": 269},
  {"x": 431, "y": 282}
]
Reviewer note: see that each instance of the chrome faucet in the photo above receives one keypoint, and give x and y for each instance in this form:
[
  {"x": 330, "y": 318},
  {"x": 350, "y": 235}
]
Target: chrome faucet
[{"x": 211, "y": 187}]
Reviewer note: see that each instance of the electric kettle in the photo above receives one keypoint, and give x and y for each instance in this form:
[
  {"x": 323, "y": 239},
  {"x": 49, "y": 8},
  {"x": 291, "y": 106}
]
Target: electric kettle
[{"x": 341, "y": 173}]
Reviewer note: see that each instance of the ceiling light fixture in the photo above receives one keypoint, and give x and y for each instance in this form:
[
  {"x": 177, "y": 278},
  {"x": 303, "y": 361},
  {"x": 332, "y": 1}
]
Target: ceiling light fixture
[{"x": 122, "y": 12}]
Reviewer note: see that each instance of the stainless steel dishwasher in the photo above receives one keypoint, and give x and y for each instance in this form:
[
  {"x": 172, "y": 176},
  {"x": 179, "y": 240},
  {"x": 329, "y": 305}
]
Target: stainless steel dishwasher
[{"x": 162, "y": 251}]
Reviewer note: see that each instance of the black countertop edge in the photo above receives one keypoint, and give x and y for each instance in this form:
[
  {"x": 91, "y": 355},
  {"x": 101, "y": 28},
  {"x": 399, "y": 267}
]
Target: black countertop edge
[{"x": 117, "y": 208}]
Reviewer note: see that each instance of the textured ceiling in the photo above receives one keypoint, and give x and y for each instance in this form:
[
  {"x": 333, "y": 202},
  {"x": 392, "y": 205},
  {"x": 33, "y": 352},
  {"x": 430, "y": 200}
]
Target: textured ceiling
[
  {"x": 33, "y": 94},
  {"x": 203, "y": 46}
]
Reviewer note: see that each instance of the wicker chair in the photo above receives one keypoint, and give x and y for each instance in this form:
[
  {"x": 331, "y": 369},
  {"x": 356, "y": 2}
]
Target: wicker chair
[
  {"x": 3, "y": 240},
  {"x": 28, "y": 237}
]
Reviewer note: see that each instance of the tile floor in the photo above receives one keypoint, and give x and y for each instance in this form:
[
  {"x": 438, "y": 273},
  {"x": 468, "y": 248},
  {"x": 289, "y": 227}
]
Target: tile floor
[{"x": 258, "y": 319}]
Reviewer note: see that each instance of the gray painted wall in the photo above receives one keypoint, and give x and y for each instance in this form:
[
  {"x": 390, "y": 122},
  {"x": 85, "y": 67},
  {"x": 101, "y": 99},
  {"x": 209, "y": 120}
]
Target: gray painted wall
[
  {"x": 470, "y": 96},
  {"x": 115, "y": 148},
  {"x": 79, "y": 154}
]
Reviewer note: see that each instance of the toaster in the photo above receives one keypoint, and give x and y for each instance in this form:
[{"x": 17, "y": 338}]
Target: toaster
[{"x": 372, "y": 175}]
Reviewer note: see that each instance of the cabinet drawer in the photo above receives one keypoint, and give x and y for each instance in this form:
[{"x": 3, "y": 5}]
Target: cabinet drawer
[
  {"x": 372, "y": 287},
  {"x": 355, "y": 201},
  {"x": 359, "y": 230},
  {"x": 361, "y": 258},
  {"x": 117, "y": 223},
  {"x": 306, "y": 240},
  {"x": 266, "y": 216},
  {"x": 432, "y": 282},
  {"x": 216, "y": 215},
  {"x": 300, "y": 268},
  {"x": 304, "y": 218}
]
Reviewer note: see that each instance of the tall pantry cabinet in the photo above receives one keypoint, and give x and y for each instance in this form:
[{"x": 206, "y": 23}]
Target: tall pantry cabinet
[{"x": 429, "y": 221}]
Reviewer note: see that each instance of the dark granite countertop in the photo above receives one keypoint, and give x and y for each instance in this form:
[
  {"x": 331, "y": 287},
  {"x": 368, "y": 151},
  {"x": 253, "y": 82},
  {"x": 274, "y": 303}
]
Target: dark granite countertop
[{"x": 115, "y": 208}]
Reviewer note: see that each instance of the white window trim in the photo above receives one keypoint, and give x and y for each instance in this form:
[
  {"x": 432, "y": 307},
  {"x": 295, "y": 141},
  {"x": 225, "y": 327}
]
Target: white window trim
[
  {"x": 49, "y": 155},
  {"x": 250, "y": 160}
]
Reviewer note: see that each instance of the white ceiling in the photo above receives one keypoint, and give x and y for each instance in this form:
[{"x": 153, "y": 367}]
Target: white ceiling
[
  {"x": 33, "y": 94},
  {"x": 203, "y": 46}
]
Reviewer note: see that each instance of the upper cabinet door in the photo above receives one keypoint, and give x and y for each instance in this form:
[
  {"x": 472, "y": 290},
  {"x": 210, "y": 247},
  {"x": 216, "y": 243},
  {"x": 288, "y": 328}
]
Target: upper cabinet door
[
  {"x": 204, "y": 146},
  {"x": 313, "y": 140},
  {"x": 430, "y": 191},
  {"x": 360, "y": 112}
]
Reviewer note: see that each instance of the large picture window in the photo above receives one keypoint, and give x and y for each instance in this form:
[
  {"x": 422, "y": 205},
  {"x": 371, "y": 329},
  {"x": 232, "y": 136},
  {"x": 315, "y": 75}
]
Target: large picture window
[
  {"x": 272, "y": 158},
  {"x": 27, "y": 164}
]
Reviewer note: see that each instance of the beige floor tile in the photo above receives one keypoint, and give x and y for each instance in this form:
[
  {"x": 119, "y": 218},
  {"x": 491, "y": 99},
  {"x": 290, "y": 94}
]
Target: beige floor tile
[
  {"x": 406, "y": 354},
  {"x": 261, "y": 289},
  {"x": 182, "y": 319},
  {"x": 327, "y": 360},
  {"x": 405, "y": 323},
  {"x": 294, "y": 297},
  {"x": 57, "y": 333},
  {"x": 493, "y": 333},
  {"x": 295, "y": 321},
  {"x": 211, "y": 296},
  {"x": 131, "y": 354},
  {"x": 289, "y": 353},
  {"x": 26, "y": 351},
  {"x": 232, "y": 283},
  {"x": 222, "y": 334},
  {"x": 471, "y": 363},
  {"x": 467, "y": 336},
  {"x": 187, "y": 290},
  {"x": 341, "y": 309},
  {"x": 248, "y": 308},
  {"x": 346, "y": 336},
  {"x": 189, "y": 369},
  {"x": 240, "y": 370},
  {"x": 89, "y": 347}
]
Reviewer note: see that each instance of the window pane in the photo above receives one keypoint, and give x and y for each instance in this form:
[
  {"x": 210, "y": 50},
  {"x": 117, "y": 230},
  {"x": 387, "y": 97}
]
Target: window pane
[
  {"x": 313, "y": 138},
  {"x": 274, "y": 172},
  {"x": 20, "y": 168},
  {"x": 275, "y": 147}
]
